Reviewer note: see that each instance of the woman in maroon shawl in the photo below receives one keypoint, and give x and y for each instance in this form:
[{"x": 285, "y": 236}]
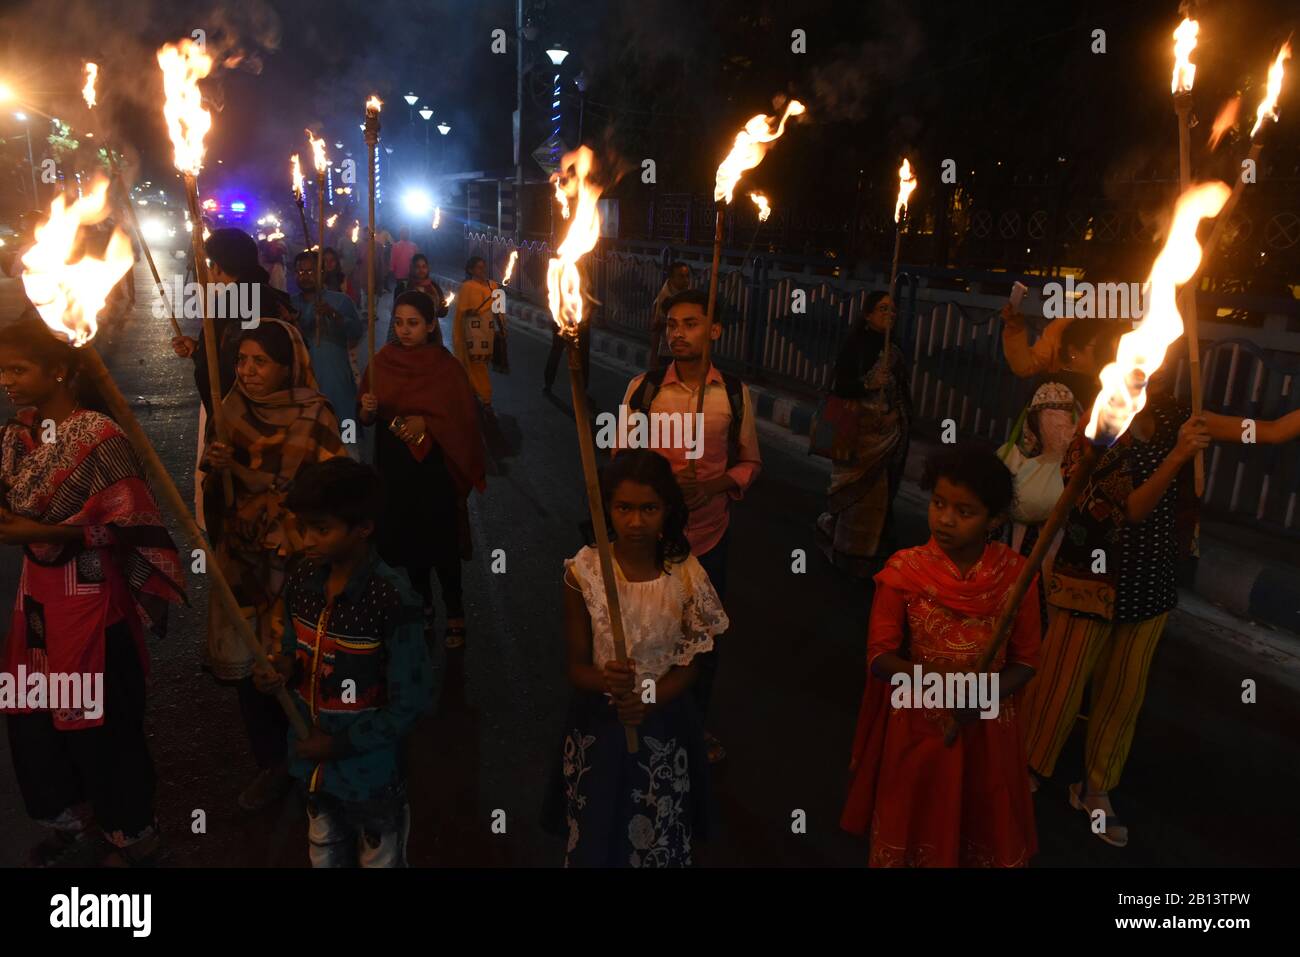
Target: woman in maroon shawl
[
  {"x": 98, "y": 571},
  {"x": 429, "y": 453}
]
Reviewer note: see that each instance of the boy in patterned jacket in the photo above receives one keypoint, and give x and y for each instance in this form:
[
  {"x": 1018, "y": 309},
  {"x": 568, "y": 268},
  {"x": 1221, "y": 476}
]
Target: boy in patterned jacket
[{"x": 353, "y": 656}]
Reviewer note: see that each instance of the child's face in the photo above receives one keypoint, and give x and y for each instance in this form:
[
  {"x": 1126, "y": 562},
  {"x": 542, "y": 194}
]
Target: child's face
[
  {"x": 958, "y": 519},
  {"x": 411, "y": 328},
  {"x": 328, "y": 538},
  {"x": 638, "y": 514}
]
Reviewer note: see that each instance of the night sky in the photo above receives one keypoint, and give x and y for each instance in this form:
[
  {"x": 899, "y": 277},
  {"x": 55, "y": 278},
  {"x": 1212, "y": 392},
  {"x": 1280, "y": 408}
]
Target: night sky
[{"x": 1011, "y": 81}]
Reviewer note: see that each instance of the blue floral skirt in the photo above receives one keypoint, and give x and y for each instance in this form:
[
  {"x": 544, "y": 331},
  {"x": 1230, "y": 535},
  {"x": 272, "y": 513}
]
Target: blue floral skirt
[{"x": 630, "y": 810}]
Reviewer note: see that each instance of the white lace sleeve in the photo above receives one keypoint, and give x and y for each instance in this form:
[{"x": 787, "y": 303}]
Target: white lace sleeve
[
  {"x": 584, "y": 569},
  {"x": 703, "y": 617}
]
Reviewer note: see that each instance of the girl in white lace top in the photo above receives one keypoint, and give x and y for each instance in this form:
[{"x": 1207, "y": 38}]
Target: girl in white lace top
[{"x": 643, "y": 809}]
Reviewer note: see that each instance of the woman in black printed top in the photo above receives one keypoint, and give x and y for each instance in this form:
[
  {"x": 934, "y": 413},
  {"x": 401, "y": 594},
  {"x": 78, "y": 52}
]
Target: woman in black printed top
[{"x": 1113, "y": 585}]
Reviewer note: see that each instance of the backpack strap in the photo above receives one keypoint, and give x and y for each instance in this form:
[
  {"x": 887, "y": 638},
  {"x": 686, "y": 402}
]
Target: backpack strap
[{"x": 647, "y": 390}]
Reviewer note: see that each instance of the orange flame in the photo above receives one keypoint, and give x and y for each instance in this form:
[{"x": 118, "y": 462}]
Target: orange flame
[
  {"x": 295, "y": 168},
  {"x": 69, "y": 293},
  {"x": 451, "y": 296},
  {"x": 510, "y": 266},
  {"x": 88, "y": 91},
  {"x": 1225, "y": 121},
  {"x": 563, "y": 281},
  {"x": 751, "y": 145},
  {"x": 374, "y": 104},
  {"x": 332, "y": 220},
  {"x": 356, "y": 229},
  {"x": 764, "y": 207},
  {"x": 1268, "y": 106},
  {"x": 183, "y": 65},
  {"x": 318, "y": 152},
  {"x": 272, "y": 237},
  {"x": 1184, "y": 44},
  {"x": 437, "y": 216},
  {"x": 1123, "y": 382},
  {"x": 906, "y": 183}
]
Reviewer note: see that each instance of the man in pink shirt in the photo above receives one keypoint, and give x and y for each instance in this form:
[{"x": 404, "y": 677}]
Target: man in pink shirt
[
  {"x": 715, "y": 469},
  {"x": 403, "y": 250}
]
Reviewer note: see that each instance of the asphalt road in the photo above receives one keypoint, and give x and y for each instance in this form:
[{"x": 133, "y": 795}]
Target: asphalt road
[{"x": 1211, "y": 781}]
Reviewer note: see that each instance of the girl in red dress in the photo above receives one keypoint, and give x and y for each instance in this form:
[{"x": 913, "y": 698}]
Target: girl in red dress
[{"x": 924, "y": 804}]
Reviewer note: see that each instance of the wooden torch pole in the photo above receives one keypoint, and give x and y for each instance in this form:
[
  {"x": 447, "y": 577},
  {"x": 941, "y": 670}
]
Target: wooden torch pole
[
  {"x": 1183, "y": 107},
  {"x": 320, "y": 243},
  {"x": 125, "y": 196},
  {"x": 372, "y": 144},
  {"x": 893, "y": 277},
  {"x": 302, "y": 216},
  {"x": 1011, "y": 604},
  {"x": 209, "y": 330},
  {"x": 587, "y": 449},
  {"x": 170, "y": 498},
  {"x": 712, "y": 311}
]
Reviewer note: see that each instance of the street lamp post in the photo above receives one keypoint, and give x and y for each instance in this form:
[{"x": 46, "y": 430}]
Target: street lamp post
[
  {"x": 31, "y": 162},
  {"x": 519, "y": 118},
  {"x": 426, "y": 114},
  {"x": 580, "y": 81},
  {"x": 556, "y": 56},
  {"x": 443, "y": 128}
]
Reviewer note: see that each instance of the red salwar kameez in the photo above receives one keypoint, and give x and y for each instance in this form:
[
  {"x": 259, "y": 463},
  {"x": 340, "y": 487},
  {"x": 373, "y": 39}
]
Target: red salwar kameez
[
  {"x": 83, "y": 608},
  {"x": 924, "y": 804}
]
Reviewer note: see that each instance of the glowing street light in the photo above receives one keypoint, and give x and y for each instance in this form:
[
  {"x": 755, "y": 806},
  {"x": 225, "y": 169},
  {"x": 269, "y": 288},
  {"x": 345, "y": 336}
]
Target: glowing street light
[
  {"x": 417, "y": 202},
  {"x": 410, "y": 99},
  {"x": 557, "y": 57},
  {"x": 425, "y": 112}
]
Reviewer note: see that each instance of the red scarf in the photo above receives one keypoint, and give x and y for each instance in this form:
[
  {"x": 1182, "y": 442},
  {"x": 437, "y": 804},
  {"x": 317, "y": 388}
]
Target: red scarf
[
  {"x": 428, "y": 381},
  {"x": 926, "y": 570}
]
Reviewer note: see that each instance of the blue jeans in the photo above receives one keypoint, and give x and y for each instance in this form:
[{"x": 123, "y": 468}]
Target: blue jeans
[{"x": 369, "y": 833}]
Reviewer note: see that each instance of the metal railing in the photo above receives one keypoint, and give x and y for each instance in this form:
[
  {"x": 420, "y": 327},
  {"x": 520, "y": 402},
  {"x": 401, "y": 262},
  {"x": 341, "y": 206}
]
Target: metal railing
[{"x": 783, "y": 325}]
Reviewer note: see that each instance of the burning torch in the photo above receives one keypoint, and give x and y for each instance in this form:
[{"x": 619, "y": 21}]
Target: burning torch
[
  {"x": 321, "y": 163},
  {"x": 748, "y": 149},
  {"x": 1181, "y": 87},
  {"x": 183, "y": 64},
  {"x": 295, "y": 172},
  {"x": 906, "y": 183},
  {"x": 564, "y": 295}
]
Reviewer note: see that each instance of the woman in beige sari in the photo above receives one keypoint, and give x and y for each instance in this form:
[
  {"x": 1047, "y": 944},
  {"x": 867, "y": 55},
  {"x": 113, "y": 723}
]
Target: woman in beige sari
[{"x": 851, "y": 530}]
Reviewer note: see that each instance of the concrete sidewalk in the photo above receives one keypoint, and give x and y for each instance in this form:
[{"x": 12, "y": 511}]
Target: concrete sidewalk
[{"x": 1243, "y": 571}]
